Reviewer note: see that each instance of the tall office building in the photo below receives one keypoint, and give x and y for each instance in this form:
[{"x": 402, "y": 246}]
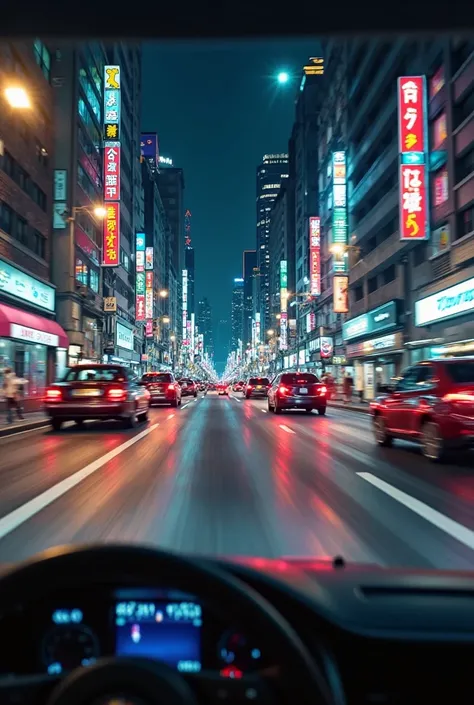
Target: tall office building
[
  {"x": 83, "y": 122},
  {"x": 249, "y": 273},
  {"x": 204, "y": 323},
  {"x": 270, "y": 174},
  {"x": 237, "y": 317}
]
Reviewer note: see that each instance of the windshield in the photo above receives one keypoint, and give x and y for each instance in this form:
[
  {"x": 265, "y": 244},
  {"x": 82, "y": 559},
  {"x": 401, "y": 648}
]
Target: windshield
[
  {"x": 164, "y": 377},
  {"x": 178, "y": 215}
]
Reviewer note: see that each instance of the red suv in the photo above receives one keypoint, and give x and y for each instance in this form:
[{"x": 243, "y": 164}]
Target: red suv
[
  {"x": 297, "y": 390},
  {"x": 188, "y": 387},
  {"x": 432, "y": 403},
  {"x": 163, "y": 388},
  {"x": 97, "y": 392}
]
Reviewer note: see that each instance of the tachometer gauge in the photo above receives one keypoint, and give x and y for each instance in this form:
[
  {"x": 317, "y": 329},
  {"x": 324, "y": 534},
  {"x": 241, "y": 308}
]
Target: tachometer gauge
[
  {"x": 68, "y": 647},
  {"x": 235, "y": 650}
]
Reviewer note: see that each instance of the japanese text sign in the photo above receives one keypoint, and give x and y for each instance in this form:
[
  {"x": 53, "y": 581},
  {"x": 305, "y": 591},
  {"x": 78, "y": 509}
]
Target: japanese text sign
[
  {"x": 111, "y": 236},
  {"x": 411, "y": 114},
  {"x": 140, "y": 307},
  {"x": 112, "y": 174},
  {"x": 315, "y": 256},
  {"x": 413, "y": 202},
  {"x": 149, "y": 280},
  {"x": 112, "y": 95}
]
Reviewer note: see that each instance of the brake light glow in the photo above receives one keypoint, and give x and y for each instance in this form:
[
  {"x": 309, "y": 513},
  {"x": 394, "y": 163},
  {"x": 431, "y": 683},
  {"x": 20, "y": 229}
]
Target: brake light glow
[
  {"x": 170, "y": 387},
  {"x": 323, "y": 390},
  {"x": 117, "y": 394},
  {"x": 283, "y": 390},
  {"x": 54, "y": 395}
]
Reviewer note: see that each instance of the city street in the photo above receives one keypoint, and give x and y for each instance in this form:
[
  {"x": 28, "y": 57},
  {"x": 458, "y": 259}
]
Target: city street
[{"x": 223, "y": 476}]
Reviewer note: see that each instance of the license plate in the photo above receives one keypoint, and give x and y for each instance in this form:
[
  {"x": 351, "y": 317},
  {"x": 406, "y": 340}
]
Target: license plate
[
  {"x": 259, "y": 386},
  {"x": 303, "y": 390},
  {"x": 86, "y": 393}
]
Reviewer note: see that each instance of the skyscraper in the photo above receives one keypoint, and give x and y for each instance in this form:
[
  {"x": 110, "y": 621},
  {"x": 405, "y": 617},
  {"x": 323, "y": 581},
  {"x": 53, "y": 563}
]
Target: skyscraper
[
  {"x": 204, "y": 323},
  {"x": 270, "y": 174},
  {"x": 249, "y": 271},
  {"x": 237, "y": 314}
]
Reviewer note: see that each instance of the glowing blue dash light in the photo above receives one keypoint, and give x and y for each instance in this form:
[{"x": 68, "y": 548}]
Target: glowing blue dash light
[{"x": 283, "y": 77}]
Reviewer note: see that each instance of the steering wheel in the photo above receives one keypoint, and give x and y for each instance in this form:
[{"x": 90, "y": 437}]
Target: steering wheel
[{"x": 142, "y": 681}]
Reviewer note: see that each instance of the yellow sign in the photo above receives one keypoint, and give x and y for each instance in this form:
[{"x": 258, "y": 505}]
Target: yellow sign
[
  {"x": 110, "y": 304},
  {"x": 112, "y": 77}
]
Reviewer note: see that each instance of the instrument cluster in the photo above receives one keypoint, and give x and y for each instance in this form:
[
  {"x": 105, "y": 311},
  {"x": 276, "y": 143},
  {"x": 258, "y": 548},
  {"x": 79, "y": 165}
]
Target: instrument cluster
[{"x": 67, "y": 632}]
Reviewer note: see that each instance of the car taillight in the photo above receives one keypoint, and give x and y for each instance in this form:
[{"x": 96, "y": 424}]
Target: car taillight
[
  {"x": 54, "y": 395},
  {"x": 283, "y": 390},
  {"x": 170, "y": 387},
  {"x": 117, "y": 394},
  {"x": 322, "y": 391}
]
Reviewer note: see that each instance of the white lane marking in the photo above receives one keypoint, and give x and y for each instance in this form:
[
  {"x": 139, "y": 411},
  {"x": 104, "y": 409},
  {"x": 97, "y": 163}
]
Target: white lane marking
[
  {"x": 235, "y": 399},
  {"x": 183, "y": 406},
  {"x": 9, "y": 436},
  {"x": 264, "y": 411},
  {"x": 449, "y": 526},
  {"x": 19, "y": 516},
  {"x": 171, "y": 416},
  {"x": 286, "y": 428}
]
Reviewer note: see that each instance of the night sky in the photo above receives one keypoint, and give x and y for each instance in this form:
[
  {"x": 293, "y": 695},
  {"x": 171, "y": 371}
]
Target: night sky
[{"x": 217, "y": 108}]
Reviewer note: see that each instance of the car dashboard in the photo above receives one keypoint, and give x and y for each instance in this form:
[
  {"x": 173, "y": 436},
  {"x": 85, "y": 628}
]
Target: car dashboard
[{"x": 380, "y": 637}]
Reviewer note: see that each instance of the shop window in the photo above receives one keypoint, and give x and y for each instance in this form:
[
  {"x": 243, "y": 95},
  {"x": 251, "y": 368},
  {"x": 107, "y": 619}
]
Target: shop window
[
  {"x": 82, "y": 272},
  {"x": 94, "y": 280}
]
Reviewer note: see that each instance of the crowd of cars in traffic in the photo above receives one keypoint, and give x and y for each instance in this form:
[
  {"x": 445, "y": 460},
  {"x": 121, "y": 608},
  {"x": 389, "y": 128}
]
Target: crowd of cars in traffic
[{"x": 431, "y": 403}]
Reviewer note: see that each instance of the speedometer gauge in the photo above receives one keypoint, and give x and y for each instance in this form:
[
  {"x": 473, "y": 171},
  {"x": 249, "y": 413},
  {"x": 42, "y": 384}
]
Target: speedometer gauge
[
  {"x": 68, "y": 647},
  {"x": 235, "y": 650}
]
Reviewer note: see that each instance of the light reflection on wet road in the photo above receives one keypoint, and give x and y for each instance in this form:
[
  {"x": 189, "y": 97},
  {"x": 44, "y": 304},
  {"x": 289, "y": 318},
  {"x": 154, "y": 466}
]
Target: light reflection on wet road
[{"x": 221, "y": 477}]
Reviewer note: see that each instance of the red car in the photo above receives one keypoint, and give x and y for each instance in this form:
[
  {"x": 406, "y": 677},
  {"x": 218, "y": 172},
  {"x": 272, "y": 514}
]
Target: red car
[
  {"x": 163, "y": 388},
  {"x": 97, "y": 392},
  {"x": 297, "y": 390},
  {"x": 223, "y": 389},
  {"x": 432, "y": 404},
  {"x": 188, "y": 387}
]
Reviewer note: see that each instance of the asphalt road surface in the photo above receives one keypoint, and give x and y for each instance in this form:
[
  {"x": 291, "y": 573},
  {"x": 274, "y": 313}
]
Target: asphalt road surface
[{"x": 223, "y": 476}]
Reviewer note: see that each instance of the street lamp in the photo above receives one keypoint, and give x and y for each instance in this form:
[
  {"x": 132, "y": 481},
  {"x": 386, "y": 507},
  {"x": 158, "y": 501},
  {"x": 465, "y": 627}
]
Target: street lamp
[
  {"x": 17, "y": 97},
  {"x": 270, "y": 332},
  {"x": 164, "y": 293},
  {"x": 283, "y": 77},
  {"x": 166, "y": 319}
]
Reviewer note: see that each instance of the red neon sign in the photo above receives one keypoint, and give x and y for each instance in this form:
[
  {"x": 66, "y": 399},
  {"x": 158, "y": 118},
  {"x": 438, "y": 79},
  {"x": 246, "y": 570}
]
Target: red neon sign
[
  {"x": 315, "y": 256},
  {"x": 112, "y": 174},
  {"x": 413, "y": 202},
  {"x": 111, "y": 236},
  {"x": 411, "y": 114}
]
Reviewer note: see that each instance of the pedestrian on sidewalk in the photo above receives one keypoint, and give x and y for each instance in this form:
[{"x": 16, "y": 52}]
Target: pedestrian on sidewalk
[
  {"x": 347, "y": 386},
  {"x": 11, "y": 389}
]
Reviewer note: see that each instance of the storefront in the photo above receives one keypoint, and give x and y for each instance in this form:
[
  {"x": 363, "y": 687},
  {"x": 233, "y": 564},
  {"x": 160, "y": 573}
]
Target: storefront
[
  {"x": 31, "y": 344},
  {"x": 375, "y": 360},
  {"x": 124, "y": 346},
  {"x": 445, "y": 321}
]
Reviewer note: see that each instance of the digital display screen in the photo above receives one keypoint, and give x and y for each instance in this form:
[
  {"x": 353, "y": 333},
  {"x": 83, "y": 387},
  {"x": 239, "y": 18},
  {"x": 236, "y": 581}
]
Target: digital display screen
[{"x": 165, "y": 630}]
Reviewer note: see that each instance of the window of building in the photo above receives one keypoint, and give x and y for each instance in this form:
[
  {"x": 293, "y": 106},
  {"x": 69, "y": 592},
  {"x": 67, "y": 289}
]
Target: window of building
[
  {"x": 419, "y": 254},
  {"x": 43, "y": 58},
  {"x": 90, "y": 93},
  {"x": 464, "y": 165},
  {"x": 464, "y": 109},
  {"x": 440, "y": 131},
  {"x": 94, "y": 280},
  {"x": 42, "y": 154},
  {"x": 6, "y": 217},
  {"x": 436, "y": 82},
  {"x": 466, "y": 222},
  {"x": 38, "y": 244},
  {"x": 389, "y": 274},
  {"x": 20, "y": 231},
  {"x": 82, "y": 272}
]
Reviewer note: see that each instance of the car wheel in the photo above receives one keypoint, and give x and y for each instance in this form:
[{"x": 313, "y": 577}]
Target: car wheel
[
  {"x": 432, "y": 444},
  {"x": 268, "y": 404},
  {"x": 79, "y": 422},
  {"x": 195, "y": 395},
  {"x": 131, "y": 421},
  {"x": 310, "y": 411},
  {"x": 56, "y": 424},
  {"x": 276, "y": 409},
  {"x": 144, "y": 416},
  {"x": 174, "y": 403},
  {"x": 382, "y": 436},
  {"x": 322, "y": 411}
]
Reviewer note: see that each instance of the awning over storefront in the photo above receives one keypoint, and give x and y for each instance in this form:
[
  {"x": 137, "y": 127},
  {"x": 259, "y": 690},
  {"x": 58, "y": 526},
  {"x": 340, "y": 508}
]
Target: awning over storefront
[{"x": 21, "y": 325}]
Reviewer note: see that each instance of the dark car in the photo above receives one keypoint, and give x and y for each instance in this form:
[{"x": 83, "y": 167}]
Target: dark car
[
  {"x": 163, "y": 388},
  {"x": 256, "y": 387},
  {"x": 188, "y": 387},
  {"x": 97, "y": 392},
  {"x": 432, "y": 403},
  {"x": 297, "y": 390}
]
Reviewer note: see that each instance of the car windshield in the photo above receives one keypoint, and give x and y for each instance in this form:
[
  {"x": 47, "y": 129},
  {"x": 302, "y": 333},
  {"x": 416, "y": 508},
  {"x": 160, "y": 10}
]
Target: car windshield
[
  {"x": 299, "y": 379},
  {"x": 296, "y": 213},
  {"x": 163, "y": 377},
  {"x": 95, "y": 374}
]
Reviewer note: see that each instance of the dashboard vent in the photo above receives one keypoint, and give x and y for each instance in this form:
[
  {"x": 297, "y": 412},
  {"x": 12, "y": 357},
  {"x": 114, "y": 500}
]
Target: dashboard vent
[{"x": 374, "y": 592}]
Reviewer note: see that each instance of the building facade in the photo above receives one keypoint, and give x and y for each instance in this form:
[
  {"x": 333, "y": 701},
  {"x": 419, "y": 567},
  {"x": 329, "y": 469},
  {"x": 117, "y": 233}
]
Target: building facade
[
  {"x": 249, "y": 274},
  {"x": 237, "y": 315},
  {"x": 270, "y": 174},
  {"x": 204, "y": 324},
  {"x": 31, "y": 341}
]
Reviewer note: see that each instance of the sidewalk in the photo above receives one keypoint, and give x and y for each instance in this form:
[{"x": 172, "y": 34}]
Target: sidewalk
[
  {"x": 33, "y": 419},
  {"x": 361, "y": 407}
]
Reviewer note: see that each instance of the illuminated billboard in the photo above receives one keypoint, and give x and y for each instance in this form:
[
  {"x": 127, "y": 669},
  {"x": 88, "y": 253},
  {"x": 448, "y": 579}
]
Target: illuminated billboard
[
  {"x": 283, "y": 304},
  {"x": 413, "y": 158},
  {"x": 111, "y": 185},
  {"x": 315, "y": 256},
  {"x": 140, "y": 279},
  {"x": 339, "y": 209},
  {"x": 185, "y": 307},
  {"x": 340, "y": 286},
  {"x": 149, "y": 148}
]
